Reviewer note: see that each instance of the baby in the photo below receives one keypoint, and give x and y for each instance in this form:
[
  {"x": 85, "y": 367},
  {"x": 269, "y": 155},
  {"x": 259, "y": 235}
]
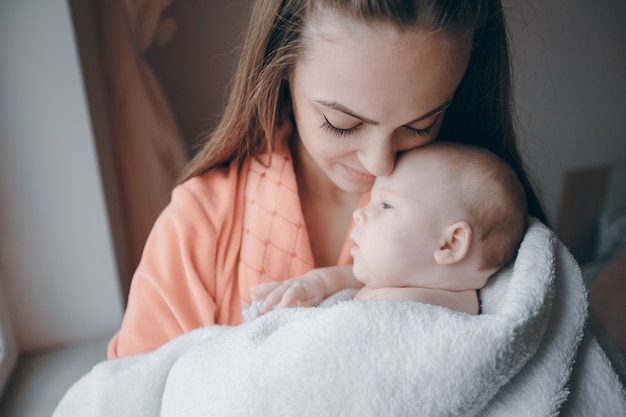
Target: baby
[{"x": 434, "y": 231}]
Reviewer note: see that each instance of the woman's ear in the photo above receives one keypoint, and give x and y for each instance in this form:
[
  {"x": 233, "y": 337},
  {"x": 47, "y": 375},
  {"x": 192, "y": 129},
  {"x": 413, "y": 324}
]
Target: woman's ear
[{"x": 457, "y": 239}]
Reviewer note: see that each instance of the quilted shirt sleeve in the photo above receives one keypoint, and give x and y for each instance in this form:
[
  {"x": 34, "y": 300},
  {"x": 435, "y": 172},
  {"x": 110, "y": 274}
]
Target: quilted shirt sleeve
[{"x": 189, "y": 262}]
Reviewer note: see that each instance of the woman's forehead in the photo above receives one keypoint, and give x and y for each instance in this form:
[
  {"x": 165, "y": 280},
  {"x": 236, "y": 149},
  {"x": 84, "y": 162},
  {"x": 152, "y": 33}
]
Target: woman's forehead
[
  {"x": 381, "y": 74},
  {"x": 331, "y": 28}
]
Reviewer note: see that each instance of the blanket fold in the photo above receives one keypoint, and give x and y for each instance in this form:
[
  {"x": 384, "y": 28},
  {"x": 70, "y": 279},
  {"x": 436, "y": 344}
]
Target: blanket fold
[{"x": 527, "y": 354}]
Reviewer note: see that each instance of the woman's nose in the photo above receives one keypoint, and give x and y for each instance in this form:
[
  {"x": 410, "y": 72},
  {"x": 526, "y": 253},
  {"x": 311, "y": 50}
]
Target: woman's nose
[
  {"x": 379, "y": 158},
  {"x": 359, "y": 215}
]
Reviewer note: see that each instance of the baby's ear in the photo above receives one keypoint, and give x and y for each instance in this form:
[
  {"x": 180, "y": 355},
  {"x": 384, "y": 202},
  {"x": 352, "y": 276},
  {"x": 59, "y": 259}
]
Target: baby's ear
[{"x": 455, "y": 244}]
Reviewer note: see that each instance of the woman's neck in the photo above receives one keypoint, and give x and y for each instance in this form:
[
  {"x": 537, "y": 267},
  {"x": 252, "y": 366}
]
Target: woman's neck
[{"x": 326, "y": 208}]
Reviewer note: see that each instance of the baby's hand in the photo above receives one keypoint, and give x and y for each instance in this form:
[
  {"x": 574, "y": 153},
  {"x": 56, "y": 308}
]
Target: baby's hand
[{"x": 306, "y": 291}]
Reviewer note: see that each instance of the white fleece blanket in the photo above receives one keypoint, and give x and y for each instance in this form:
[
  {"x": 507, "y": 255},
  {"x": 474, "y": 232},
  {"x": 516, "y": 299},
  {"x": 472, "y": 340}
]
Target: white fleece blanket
[{"x": 527, "y": 354}]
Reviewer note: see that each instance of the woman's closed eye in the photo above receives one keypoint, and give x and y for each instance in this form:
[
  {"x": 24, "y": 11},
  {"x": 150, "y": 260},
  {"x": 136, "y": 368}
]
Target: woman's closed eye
[
  {"x": 338, "y": 131},
  {"x": 425, "y": 131},
  {"x": 346, "y": 131}
]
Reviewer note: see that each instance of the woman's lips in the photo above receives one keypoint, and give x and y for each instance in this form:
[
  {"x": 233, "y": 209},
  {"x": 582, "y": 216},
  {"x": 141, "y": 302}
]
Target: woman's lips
[{"x": 360, "y": 176}]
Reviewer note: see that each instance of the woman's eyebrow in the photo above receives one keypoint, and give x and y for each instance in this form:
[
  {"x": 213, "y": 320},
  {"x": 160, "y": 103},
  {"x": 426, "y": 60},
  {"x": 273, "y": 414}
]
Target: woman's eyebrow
[
  {"x": 340, "y": 107},
  {"x": 434, "y": 111}
]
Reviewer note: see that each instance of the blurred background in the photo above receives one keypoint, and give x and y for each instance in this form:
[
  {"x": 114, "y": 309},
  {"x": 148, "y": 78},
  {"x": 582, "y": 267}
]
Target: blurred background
[{"x": 101, "y": 102}]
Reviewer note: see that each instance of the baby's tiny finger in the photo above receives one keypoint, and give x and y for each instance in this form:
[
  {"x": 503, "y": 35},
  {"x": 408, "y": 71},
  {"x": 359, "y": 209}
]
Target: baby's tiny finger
[
  {"x": 260, "y": 291},
  {"x": 291, "y": 296},
  {"x": 272, "y": 299}
]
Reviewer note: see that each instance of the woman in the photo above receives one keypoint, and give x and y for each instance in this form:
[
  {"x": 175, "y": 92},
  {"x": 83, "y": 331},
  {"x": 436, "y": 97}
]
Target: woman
[{"x": 327, "y": 93}]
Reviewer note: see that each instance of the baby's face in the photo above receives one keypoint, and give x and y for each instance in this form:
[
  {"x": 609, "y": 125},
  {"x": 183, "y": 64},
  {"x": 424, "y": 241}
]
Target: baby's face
[{"x": 397, "y": 233}]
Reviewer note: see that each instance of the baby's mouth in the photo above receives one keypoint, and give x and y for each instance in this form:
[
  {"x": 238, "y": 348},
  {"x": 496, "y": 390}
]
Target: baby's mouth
[{"x": 355, "y": 246}]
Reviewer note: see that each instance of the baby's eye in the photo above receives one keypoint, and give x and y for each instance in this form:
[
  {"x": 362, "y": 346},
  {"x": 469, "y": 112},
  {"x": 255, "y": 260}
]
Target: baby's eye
[{"x": 385, "y": 206}]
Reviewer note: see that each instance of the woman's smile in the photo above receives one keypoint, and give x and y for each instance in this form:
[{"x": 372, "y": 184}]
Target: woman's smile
[{"x": 360, "y": 176}]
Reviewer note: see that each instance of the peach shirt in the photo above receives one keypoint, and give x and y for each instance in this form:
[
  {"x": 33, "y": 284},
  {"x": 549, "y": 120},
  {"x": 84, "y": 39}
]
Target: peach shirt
[{"x": 222, "y": 233}]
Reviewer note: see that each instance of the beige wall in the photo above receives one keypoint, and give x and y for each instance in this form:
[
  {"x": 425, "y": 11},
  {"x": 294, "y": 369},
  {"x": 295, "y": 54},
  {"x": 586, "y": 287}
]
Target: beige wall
[
  {"x": 570, "y": 63},
  {"x": 195, "y": 67},
  {"x": 56, "y": 260}
]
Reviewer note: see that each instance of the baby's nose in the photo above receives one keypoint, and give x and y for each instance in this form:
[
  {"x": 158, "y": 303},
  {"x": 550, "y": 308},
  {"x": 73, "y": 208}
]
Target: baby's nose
[{"x": 359, "y": 215}]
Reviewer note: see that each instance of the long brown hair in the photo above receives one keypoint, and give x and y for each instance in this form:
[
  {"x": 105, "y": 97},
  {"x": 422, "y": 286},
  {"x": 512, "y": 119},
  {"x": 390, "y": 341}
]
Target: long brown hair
[{"x": 481, "y": 113}]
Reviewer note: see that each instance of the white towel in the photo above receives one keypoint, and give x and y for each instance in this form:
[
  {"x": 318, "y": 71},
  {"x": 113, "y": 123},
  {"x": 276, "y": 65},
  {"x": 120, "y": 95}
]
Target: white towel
[{"x": 527, "y": 354}]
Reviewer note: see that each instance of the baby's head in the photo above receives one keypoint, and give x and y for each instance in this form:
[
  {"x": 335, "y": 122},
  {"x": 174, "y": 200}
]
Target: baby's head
[
  {"x": 491, "y": 197},
  {"x": 445, "y": 204}
]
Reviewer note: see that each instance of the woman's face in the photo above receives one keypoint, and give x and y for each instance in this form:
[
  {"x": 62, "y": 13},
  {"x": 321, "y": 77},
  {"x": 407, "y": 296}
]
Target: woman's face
[{"x": 361, "y": 94}]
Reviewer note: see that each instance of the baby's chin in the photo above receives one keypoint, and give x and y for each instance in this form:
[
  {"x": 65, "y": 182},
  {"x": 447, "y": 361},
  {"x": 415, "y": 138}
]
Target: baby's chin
[{"x": 358, "y": 273}]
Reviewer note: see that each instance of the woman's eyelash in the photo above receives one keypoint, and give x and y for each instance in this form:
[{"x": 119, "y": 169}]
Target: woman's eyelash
[
  {"x": 426, "y": 131},
  {"x": 326, "y": 125},
  {"x": 336, "y": 130}
]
